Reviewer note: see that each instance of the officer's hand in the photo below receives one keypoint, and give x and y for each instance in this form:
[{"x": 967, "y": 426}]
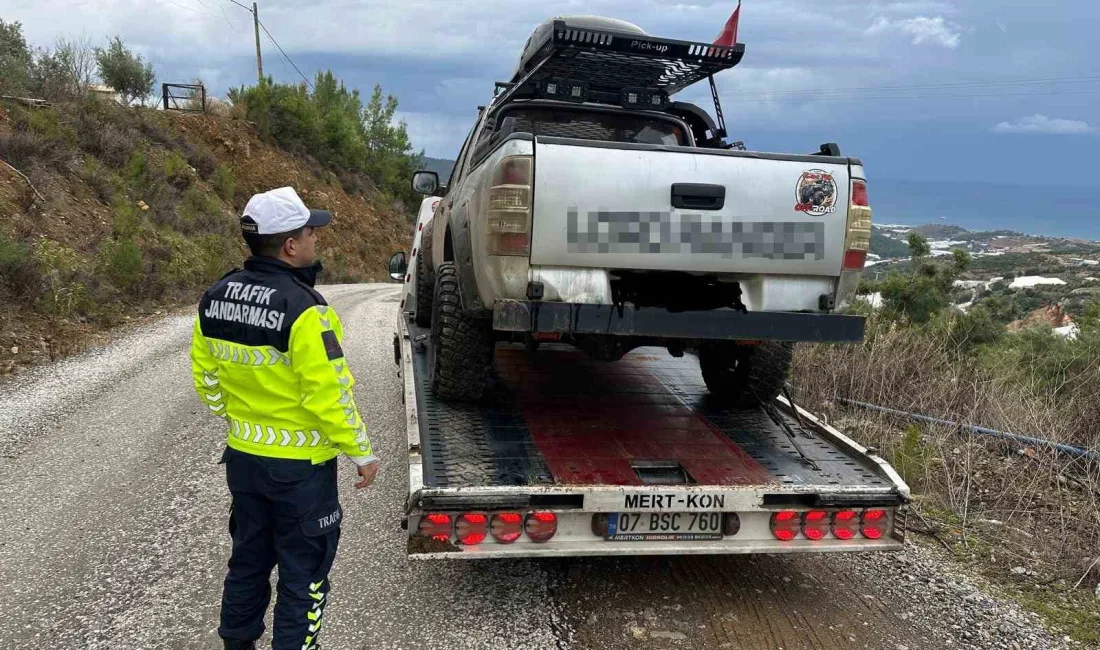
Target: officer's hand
[{"x": 367, "y": 474}]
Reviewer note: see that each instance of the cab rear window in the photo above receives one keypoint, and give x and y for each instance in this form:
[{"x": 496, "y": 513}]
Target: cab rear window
[{"x": 591, "y": 125}]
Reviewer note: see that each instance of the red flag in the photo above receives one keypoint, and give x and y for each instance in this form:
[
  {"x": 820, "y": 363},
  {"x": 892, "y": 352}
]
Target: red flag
[{"x": 728, "y": 37}]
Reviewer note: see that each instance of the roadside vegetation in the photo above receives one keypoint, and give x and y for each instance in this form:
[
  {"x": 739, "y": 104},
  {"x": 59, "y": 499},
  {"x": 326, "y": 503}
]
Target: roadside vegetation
[
  {"x": 1027, "y": 517},
  {"x": 111, "y": 210}
]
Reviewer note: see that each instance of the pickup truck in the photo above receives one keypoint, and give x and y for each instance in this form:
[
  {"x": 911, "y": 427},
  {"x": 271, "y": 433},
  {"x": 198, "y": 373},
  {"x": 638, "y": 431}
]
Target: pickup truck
[{"x": 587, "y": 207}]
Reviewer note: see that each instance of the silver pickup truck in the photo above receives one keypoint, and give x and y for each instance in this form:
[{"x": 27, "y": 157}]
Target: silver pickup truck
[{"x": 588, "y": 207}]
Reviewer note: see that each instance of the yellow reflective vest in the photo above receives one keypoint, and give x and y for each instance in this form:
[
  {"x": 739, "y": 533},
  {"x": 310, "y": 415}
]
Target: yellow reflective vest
[{"x": 266, "y": 356}]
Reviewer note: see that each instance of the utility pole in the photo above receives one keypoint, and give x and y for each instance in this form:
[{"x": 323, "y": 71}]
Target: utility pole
[{"x": 259, "y": 58}]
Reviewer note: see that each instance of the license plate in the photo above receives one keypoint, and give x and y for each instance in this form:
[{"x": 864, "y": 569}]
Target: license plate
[{"x": 663, "y": 526}]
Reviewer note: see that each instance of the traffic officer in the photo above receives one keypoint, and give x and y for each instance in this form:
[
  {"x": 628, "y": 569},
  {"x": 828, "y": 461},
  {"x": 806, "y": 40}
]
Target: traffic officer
[{"x": 266, "y": 358}]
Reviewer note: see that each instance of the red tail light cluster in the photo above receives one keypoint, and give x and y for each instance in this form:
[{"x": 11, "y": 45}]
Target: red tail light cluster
[
  {"x": 845, "y": 524},
  {"x": 874, "y": 523},
  {"x": 436, "y": 526},
  {"x": 507, "y": 527},
  {"x": 541, "y": 526},
  {"x": 815, "y": 524},
  {"x": 471, "y": 528},
  {"x": 818, "y": 524}
]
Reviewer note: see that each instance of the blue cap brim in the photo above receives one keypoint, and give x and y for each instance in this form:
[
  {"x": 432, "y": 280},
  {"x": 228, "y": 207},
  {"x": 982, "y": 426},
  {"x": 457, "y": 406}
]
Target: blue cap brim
[{"x": 318, "y": 218}]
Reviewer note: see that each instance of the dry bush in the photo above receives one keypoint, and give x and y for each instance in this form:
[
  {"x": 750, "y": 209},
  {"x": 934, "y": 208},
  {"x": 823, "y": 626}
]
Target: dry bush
[{"x": 1043, "y": 507}]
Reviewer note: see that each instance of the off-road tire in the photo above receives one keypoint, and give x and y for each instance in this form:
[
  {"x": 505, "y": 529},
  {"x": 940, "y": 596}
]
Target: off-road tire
[
  {"x": 745, "y": 375},
  {"x": 425, "y": 292},
  {"x": 425, "y": 279},
  {"x": 461, "y": 353}
]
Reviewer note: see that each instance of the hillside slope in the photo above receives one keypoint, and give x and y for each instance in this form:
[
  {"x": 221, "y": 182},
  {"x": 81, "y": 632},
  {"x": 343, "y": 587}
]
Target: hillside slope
[{"x": 130, "y": 212}]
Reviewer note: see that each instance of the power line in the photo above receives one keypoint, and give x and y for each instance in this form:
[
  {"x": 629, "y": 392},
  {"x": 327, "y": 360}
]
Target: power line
[
  {"x": 734, "y": 99},
  {"x": 280, "y": 47},
  {"x": 182, "y": 6},
  {"x": 812, "y": 93},
  {"x": 248, "y": 9}
]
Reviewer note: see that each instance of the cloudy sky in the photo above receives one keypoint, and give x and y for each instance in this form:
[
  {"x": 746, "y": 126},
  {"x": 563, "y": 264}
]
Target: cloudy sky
[{"x": 972, "y": 91}]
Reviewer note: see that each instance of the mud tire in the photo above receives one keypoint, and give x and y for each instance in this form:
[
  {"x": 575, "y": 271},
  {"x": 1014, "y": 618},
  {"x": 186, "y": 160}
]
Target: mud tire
[
  {"x": 461, "y": 352},
  {"x": 743, "y": 375}
]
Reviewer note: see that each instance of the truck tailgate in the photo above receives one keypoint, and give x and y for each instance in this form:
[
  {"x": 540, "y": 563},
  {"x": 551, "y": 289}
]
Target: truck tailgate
[{"x": 610, "y": 205}]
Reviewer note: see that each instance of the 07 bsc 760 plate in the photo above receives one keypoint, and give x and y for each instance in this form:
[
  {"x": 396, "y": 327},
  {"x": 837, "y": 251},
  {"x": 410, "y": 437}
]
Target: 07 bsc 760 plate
[{"x": 663, "y": 526}]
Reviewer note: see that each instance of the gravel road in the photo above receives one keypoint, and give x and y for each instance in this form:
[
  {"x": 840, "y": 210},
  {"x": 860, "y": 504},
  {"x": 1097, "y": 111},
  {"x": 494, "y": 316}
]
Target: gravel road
[{"x": 113, "y": 535}]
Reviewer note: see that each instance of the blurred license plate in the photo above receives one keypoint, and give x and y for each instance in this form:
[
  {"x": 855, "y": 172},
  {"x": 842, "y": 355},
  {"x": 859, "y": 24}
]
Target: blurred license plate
[{"x": 663, "y": 526}]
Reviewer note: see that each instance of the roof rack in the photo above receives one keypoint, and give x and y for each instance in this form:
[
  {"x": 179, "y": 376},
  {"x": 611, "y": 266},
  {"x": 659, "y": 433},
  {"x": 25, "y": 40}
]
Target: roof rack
[{"x": 608, "y": 63}]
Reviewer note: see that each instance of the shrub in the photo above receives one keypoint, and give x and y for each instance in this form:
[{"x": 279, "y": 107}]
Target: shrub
[
  {"x": 201, "y": 158},
  {"x": 102, "y": 182},
  {"x": 332, "y": 125},
  {"x": 137, "y": 170},
  {"x": 20, "y": 273},
  {"x": 225, "y": 183},
  {"x": 155, "y": 126},
  {"x": 201, "y": 213},
  {"x": 65, "y": 295},
  {"x": 112, "y": 145},
  {"x": 177, "y": 171},
  {"x": 122, "y": 262},
  {"x": 125, "y": 219},
  {"x": 47, "y": 123},
  {"x": 23, "y": 149}
]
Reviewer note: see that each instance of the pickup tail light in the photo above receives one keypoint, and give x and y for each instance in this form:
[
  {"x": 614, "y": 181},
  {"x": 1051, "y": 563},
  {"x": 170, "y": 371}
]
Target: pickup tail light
[
  {"x": 508, "y": 227},
  {"x": 857, "y": 238}
]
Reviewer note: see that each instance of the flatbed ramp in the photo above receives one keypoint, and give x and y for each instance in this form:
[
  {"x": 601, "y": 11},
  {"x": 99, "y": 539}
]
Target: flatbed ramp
[
  {"x": 585, "y": 439},
  {"x": 557, "y": 417}
]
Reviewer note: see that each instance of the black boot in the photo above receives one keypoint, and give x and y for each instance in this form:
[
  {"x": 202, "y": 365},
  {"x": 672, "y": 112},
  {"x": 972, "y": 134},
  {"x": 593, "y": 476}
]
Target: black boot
[{"x": 234, "y": 644}]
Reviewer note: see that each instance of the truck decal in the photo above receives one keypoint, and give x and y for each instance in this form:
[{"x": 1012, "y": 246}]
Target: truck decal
[
  {"x": 815, "y": 193},
  {"x": 671, "y": 232}
]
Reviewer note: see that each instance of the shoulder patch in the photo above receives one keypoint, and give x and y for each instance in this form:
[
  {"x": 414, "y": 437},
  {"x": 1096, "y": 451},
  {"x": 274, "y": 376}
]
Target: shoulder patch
[{"x": 332, "y": 346}]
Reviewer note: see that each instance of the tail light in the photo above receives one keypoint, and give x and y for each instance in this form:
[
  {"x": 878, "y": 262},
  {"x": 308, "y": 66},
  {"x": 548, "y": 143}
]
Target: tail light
[
  {"x": 506, "y": 527},
  {"x": 509, "y": 215},
  {"x": 541, "y": 526},
  {"x": 845, "y": 524},
  {"x": 815, "y": 524},
  {"x": 785, "y": 525},
  {"x": 857, "y": 238},
  {"x": 471, "y": 528},
  {"x": 436, "y": 526},
  {"x": 874, "y": 524}
]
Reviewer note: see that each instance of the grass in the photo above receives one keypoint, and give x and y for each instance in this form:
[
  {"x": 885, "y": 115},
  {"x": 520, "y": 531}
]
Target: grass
[{"x": 996, "y": 505}]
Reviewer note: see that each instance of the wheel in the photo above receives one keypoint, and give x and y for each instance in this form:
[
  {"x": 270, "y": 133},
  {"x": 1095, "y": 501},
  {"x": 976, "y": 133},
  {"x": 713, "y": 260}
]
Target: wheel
[
  {"x": 461, "y": 353},
  {"x": 745, "y": 375},
  {"x": 425, "y": 281}
]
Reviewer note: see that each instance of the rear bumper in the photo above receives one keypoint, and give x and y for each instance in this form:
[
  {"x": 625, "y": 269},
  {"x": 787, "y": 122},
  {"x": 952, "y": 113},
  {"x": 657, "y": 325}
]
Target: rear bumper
[{"x": 719, "y": 324}]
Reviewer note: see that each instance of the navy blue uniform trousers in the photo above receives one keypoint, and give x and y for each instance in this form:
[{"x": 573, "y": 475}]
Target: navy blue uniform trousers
[{"x": 285, "y": 513}]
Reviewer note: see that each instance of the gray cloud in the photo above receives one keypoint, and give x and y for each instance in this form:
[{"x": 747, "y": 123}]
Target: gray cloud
[
  {"x": 936, "y": 30},
  {"x": 1042, "y": 124}
]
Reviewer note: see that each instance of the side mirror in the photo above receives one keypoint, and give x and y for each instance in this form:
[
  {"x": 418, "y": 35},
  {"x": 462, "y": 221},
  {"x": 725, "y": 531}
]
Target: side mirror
[
  {"x": 425, "y": 183},
  {"x": 399, "y": 266}
]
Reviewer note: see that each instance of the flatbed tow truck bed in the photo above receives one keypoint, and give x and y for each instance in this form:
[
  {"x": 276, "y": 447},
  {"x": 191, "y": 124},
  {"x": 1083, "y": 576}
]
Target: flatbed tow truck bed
[{"x": 628, "y": 458}]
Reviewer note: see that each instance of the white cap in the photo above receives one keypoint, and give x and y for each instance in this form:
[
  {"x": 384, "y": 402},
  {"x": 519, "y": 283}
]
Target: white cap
[{"x": 278, "y": 211}]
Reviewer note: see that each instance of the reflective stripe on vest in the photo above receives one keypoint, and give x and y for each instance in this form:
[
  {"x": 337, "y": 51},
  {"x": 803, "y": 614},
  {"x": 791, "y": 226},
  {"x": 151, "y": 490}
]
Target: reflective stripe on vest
[{"x": 261, "y": 434}]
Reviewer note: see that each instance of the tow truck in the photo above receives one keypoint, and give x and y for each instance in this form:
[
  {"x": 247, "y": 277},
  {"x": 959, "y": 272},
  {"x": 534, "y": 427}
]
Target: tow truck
[{"x": 562, "y": 452}]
